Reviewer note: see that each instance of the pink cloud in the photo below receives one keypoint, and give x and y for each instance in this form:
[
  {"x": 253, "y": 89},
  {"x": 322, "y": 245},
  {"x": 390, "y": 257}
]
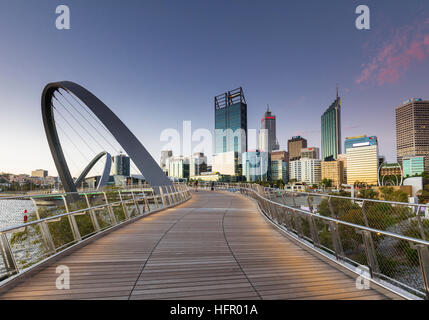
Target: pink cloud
[
  {"x": 418, "y": 51},
  {"x": 393, "y": 58}
]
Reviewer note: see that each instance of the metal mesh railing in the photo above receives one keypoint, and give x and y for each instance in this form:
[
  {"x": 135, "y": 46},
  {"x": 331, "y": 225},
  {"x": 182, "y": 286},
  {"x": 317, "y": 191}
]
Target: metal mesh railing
[
  {"x": 388, "y": 239},
  {"x": 57, "y": 221}
]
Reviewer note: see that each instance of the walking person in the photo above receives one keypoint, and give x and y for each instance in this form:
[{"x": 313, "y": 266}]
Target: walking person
[{"x": 196, "y": 185}]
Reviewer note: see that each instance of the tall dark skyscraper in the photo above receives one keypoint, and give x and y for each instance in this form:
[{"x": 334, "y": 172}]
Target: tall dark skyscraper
[
  {"x": 267, "y": 136},
  {"x": 231, "y": 122},
  {"x": 331, "y": 130}
]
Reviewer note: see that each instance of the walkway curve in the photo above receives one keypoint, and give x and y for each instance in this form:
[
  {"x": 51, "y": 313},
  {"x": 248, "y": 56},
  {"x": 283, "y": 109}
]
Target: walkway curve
[{"x": 214, "y": 246}]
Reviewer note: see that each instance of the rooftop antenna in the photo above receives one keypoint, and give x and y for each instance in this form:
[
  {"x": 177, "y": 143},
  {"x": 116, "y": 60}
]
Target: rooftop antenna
[{"x": 337, "y": 90}]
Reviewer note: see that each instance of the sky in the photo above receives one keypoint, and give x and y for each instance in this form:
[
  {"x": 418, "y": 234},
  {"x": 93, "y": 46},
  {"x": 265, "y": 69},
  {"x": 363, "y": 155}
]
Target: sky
[{"x": 159, "y": 63}]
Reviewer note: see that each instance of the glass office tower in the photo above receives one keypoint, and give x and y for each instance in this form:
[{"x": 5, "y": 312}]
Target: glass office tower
[
  {"x": 359, "y": 141},
  {"x": 331, "y": 130},
  {"x": 121, "y": 165},
  {"x": 231, "y": 122},
  {"x": 256, "y": 166}
]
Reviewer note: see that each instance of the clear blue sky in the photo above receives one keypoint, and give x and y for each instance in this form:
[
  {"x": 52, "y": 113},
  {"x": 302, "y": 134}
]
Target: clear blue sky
[{"x": 157, "y": 63}]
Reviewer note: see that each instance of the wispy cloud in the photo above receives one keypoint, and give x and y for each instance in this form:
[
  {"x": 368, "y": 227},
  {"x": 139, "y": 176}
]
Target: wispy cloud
[{"x": 407, "y": 46}]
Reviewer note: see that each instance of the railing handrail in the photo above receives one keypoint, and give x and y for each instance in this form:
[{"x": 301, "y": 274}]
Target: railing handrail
[
  {"x": 353, "y": 198},
  {"x": 426, "y": 205},
  {"x": 35, "y": 196},
  {"x": 46, "y": 195},
  {"x": 11, "y": 228},
  {"x": 141, "y": 203},
  {"x": 285, "y": 217},
  {"x": 387, "y": 233}
]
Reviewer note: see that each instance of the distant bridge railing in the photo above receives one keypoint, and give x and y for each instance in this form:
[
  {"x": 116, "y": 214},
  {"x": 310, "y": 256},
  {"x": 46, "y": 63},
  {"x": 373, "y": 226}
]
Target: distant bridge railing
[
  {"x": 52, "y": 190},
  {"x": 55, "y": 222},
  {"x": 384, "y": 241}
]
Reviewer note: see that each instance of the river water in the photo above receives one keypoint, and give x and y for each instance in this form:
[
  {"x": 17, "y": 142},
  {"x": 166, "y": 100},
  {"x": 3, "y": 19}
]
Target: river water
[{"x": 12, "y": 211}]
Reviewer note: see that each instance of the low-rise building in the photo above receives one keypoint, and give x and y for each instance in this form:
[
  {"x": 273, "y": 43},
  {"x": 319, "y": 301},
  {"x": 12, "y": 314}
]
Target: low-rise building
[
  {"x": 413, "y": 165},
  {"x": 305, "y": 170},
  {"x": 178, "y": 167},
  {"x": 334, "y": 171},
  {"x": 212, "y": 176},
  {"x": 39, "y": 173},
  {"x": 390, "y": 169},
  {"x": 227, "y": 163}
]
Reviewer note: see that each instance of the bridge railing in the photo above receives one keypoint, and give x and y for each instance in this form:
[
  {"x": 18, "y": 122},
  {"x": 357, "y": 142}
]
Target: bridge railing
[
  {"x": 383, "y": 241},
  {"x": 56, "y": 222}
]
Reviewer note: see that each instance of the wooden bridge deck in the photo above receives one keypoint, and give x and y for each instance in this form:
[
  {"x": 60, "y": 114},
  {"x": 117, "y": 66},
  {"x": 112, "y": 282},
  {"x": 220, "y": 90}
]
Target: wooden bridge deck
[{"x": 215, "y": 246}]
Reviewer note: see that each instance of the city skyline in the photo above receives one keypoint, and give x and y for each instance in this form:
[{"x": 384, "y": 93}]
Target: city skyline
[{"x": 134, "y": 83}]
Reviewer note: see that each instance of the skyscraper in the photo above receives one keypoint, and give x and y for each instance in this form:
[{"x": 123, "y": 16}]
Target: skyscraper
[
  {"x": 412, "y": 130},
  {"x": 294, "y": 146},
  {"x": 256, "y": 166},
  {"x": 267, "y": 135},
  {"x": 121, "y": 165},
  {"x": 357, "y": 141},
  {"x": 165, "y": 154},
  {"x": 310, "y": 153},
  {"x": 334, "y": 171},
  {"x": 305, "y": 170},
  {"x": 362, "y": 161},
  {"x": 331, "y": 130},
  {"x": 280, "y": 166},
  {"x": 197, "y": 164},
  {"x": 231, "y": 122}
]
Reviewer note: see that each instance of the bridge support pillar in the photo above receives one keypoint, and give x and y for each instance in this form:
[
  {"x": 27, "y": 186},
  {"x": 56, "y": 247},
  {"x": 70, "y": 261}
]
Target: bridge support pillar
[
  {"x": 424, "y": 265},
  {"x": 155, "y": 200},
  {"x": 371, "y": 256},
  {"x": 161, "y": 192},
  {"x": 8, "y": 258},
  {"x": 136, "y": 203},
  {"x": 124, "y": 209},
  {"x": 73, "y": 225},
  {"x": 46, "y": 234},
  {"x": 336, "y": 241},
  {"x": 92, "y": 215},
  {"x": 313, "y": 231},
  {"x": 110, "y": 210}
]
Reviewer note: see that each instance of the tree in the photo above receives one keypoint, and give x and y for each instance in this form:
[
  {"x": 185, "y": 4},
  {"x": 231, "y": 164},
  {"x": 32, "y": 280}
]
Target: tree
[
  {"x": 389, "y": 194},
  {"x": 423, "y": 195},
  {"x": 343, "y": 193},
  {"x": 326, "y": 182},
  {"x": 368, "y": 194}
]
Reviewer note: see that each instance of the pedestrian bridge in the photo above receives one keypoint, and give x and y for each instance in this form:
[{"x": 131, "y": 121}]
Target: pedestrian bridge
[{"x": 217, "y": 245}]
